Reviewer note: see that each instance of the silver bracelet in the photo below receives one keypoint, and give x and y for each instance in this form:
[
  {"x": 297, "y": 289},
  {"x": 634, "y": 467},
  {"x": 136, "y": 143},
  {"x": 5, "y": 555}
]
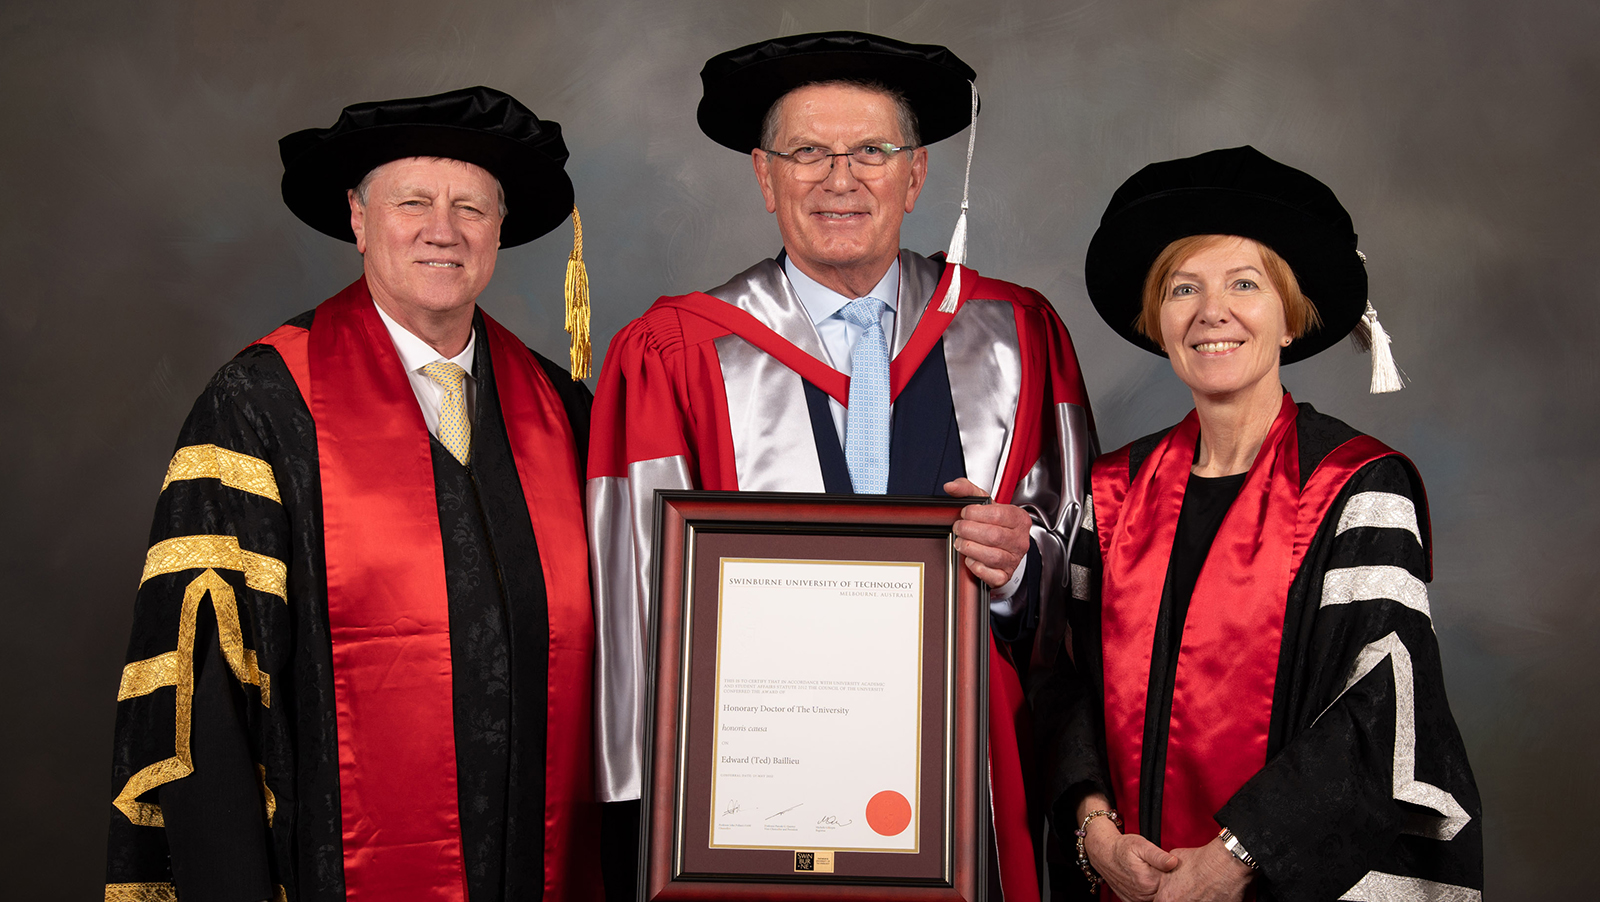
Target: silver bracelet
[{"x": 1236, "y": 848}]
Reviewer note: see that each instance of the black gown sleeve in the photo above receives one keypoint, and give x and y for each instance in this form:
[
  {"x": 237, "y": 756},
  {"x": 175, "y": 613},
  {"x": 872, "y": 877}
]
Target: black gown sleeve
[
  {"x": 1066, "y": 699},
  {"x": 1017, "y": 628},
  {"x": 216, "y": 829},
  {"x": 191, "y": 808},
  {"x": 1371, "y": 796}
]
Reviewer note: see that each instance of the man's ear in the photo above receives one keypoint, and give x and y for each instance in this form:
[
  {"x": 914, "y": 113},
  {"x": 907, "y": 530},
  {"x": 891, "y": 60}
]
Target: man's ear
[
  {"x": 763, "y": 168},
  {"x": 919, "y": 177},
  {"x": 358, "y": 220}
]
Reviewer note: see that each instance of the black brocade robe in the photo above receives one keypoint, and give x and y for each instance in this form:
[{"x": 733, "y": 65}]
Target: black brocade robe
[
  {"x": 259, "y": 817},
  {"x": 1358, "y": 681}
]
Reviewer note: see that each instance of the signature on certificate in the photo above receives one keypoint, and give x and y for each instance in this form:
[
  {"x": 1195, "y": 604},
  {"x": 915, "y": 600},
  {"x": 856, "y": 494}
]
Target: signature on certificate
[
  {"x": 832, "y": 820},
  {"x": 784, "y": 811},
  {"x": 733, "y": 808}
]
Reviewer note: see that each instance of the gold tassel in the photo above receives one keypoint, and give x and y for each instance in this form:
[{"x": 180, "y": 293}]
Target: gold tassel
[{"x": 577, "y": 294}]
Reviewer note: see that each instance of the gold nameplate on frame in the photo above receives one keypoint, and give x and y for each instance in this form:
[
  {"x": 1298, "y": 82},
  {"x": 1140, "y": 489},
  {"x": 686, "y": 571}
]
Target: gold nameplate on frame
[{"x": 813, "y": 862}]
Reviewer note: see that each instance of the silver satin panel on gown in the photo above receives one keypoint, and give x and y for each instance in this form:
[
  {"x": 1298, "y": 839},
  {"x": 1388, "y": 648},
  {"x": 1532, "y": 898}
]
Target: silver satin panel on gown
[
  {"x": 774, "y": 448},
  {"x": 764, "y": 292},
  {"x": 919, "y": 276},
  {"x": 621, "y": 531},
  {"x": 1052, "y": 493},
  {"x": 980, "y": 352},
  {"x": 982, "y": 355}
]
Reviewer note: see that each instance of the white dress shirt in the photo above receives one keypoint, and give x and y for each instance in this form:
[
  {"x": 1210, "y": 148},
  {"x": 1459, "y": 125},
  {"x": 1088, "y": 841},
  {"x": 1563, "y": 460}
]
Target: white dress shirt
[
  {"x": 416, "y": 354},
  {"x": 839, "y": 339}
]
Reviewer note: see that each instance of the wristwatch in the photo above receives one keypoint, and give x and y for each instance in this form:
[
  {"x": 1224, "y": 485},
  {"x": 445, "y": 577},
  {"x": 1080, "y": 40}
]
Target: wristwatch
[{"x": 1236, "y": 848}]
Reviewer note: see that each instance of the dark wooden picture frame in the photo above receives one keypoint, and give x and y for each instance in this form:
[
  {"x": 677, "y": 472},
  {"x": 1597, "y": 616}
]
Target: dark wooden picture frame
[{"x": 694, "y": 532}]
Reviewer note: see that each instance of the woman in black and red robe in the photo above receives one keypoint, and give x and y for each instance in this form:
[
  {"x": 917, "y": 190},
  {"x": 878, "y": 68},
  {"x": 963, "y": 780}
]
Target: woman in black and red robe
[{"x": 1255, "y": 704}]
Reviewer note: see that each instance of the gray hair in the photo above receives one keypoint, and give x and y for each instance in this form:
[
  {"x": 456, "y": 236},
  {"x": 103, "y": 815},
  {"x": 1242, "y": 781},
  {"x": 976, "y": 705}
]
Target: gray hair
[
  {"x": 910, "y": 130},
  {"x": 366, "y": 184}
]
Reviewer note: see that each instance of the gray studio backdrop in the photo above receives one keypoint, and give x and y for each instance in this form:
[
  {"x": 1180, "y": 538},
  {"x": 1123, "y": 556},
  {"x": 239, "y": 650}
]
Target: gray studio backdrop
[{"x": 144, "y": 243}]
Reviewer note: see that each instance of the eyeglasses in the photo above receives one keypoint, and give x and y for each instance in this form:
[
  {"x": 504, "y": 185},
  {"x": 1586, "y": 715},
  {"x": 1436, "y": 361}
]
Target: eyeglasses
[{"x": 808, "y": 160}]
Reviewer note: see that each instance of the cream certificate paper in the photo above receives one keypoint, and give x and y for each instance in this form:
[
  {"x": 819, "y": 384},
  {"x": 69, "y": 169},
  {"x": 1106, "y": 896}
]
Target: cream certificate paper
[{"x": 819, "y": 688}]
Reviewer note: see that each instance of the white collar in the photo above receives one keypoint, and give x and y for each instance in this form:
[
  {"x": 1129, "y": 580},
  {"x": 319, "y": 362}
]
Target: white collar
[
  {"x": 416, "y": 353},
  {"x": 822, "y": 302}
]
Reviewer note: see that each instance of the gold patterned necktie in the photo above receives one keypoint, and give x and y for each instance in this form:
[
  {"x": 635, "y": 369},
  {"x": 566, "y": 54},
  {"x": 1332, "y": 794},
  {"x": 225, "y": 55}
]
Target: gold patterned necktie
[{"x": 455, "y": 430}]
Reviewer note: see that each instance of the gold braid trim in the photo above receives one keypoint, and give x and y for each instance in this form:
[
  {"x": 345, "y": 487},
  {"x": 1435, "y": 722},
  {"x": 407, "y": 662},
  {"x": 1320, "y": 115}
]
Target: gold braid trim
[
  {"x": 143, "y": 892},
  {"x": 148, "y": 814},
  {"x": 263, "y": 573},
  {"x": 266, "y": 794},
  {"x": 145, "y": 677},
  {"x": 241, "y": 661},
  {"x": 232, "y": 469}
]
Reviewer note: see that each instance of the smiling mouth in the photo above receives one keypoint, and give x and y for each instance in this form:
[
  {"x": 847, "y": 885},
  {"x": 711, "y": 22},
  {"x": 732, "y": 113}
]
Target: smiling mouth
[
  {"x": 1217, "y": 347},
  {"x": 440, "y": 264},
  {"x": 829, "y": 214}
]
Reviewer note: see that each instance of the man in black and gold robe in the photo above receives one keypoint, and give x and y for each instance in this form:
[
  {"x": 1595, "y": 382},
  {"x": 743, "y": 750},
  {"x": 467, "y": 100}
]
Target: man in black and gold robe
[{"x": 363, "y": 645}]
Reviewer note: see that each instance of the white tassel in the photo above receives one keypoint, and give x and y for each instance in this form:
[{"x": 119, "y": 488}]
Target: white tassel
[
  {"x": 957, "y": 255},
  {"x": 1371, "y": 336},
  {"x": 948, "y": 305},
  {"x": 958, "y": 240}
]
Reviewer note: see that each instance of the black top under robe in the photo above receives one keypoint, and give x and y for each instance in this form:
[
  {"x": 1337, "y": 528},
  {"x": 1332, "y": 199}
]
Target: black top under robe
[{"x": 1205, "y": 503}]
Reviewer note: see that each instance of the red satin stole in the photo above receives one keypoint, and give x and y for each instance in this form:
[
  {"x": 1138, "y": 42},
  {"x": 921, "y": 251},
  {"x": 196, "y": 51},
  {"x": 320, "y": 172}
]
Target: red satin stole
[
  {"x": 388, "y": 609},
  {"x": 1228, "y": 657},
  {"x": 1233, "y": 633}
]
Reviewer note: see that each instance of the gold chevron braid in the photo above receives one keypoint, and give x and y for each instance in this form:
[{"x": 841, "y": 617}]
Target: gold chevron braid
[
  {"x": 148, "y": 814},
  {"x": 232, "y": 469},
  {"x": 263, "y": 573},
  {"x": 240, "y": 660},
  {"x": 145, "y": 677},
  {"x": 141, "y": 892}
]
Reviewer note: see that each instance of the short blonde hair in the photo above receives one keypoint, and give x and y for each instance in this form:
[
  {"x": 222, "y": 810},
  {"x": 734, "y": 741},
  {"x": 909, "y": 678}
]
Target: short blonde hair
[{"x": 1299, "y": 313}]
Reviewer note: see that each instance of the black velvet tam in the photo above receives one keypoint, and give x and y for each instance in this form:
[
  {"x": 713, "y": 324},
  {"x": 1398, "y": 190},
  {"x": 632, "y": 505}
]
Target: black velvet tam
[
  {"x": 1237, "y": 191},
  {"x": 741, "y": 85},
  {"x": 479, "y": 125}
]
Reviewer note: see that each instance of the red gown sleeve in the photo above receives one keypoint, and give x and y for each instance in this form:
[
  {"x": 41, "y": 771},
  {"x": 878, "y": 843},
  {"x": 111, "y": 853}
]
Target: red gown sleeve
[{"x": 642, "y": 438}]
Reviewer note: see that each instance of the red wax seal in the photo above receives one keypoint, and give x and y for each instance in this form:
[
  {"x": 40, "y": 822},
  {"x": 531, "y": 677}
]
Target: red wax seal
[{"x": 888, "y": 813}]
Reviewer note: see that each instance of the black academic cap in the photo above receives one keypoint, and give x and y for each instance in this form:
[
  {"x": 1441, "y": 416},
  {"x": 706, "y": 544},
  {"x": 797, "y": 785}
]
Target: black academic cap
[
  {"x": 1236, "y": 191},
  {"x": 741, "y": 85},
  {"x": 479, "y": 125}
]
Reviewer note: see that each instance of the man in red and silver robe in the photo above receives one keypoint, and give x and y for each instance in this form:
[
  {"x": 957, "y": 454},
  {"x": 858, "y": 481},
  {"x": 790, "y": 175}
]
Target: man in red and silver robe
[
  {"x": 845, "y": 365},
  {"x": 362, "y": 648}
]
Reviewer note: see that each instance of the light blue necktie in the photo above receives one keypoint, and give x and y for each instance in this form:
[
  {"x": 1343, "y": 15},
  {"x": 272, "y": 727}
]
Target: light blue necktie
[{"x": 866, "y": 427}]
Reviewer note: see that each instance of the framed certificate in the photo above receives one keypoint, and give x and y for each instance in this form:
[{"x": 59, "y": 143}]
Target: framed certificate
[{"x": 817, "y": 720}]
